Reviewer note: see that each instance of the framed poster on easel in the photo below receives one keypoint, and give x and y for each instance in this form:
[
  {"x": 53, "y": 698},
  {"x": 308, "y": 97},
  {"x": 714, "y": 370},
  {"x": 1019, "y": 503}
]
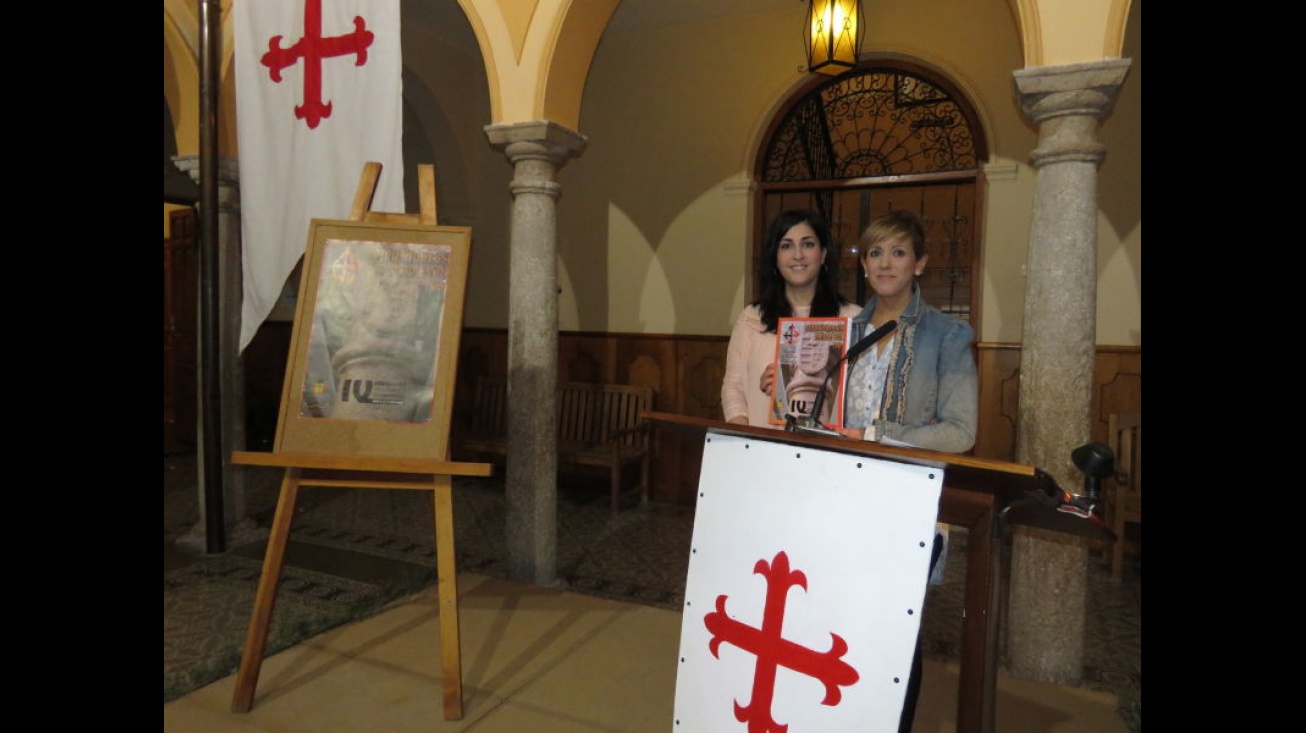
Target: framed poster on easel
[
  {"x": 374, "y": 350},
  {"x": 368, "y": 394}
]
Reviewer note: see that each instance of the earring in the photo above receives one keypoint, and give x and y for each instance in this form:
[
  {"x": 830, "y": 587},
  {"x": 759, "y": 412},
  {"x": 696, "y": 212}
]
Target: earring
[{"x": 919, "y": 273}]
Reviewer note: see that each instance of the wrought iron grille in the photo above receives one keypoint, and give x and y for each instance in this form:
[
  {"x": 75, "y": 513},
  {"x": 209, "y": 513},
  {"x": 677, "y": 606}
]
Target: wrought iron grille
[
  {"x": 876, "y": 138},
  {"x": 870, "y": 123}
]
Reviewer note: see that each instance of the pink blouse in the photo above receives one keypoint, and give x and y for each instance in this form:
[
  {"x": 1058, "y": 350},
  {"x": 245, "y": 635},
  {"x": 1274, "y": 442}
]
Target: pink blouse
[{"x": 751, "y": 350}]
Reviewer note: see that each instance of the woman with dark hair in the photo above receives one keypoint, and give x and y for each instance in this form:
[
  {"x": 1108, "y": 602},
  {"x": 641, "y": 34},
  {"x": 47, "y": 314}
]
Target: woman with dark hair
[{"x": 796, "y": 278}]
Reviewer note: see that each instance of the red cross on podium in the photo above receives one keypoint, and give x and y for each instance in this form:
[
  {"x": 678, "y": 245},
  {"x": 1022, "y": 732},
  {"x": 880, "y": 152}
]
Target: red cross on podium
[{"x": 773, "y": 650}]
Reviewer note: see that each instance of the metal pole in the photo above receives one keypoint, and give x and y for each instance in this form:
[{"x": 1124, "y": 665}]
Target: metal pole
[{"x": 210, "y": 407}]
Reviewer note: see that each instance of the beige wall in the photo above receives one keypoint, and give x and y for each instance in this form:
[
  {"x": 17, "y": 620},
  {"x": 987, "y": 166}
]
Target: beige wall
[
  {"x": 182, "y": 94},
  {"x": 654, "y": 219},
  {"x": 1010, "y": 206},
  {"x": 446, "y": 109},
  {"x": 1120, "y": 200}
]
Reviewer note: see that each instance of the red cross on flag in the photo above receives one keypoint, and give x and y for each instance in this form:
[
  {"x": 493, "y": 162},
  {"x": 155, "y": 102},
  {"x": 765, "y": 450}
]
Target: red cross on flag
[
  {"x": 806, "y": 580},
  {"x": 318, "y": 95}
]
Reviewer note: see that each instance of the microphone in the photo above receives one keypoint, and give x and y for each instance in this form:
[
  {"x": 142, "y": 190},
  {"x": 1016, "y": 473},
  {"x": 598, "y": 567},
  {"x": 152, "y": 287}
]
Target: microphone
[{"x": 849, "y": 356}]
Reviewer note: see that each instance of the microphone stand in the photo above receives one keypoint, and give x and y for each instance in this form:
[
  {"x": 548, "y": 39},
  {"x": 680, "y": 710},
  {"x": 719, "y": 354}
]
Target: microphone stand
[{"x": 811, "y": 425}]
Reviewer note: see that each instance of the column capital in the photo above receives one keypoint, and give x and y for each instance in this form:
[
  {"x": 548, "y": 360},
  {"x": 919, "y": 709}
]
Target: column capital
[
  {"x": 537, "y": 140},
  {"x": 228, "y": 168},
  {"x": 1066, "y": 102},
  {"x": 228, "y": 176}
]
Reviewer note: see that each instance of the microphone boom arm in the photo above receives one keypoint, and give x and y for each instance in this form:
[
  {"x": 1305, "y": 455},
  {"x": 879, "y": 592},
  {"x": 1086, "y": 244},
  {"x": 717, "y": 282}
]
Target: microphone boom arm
[{"x": 849, "y": 356}]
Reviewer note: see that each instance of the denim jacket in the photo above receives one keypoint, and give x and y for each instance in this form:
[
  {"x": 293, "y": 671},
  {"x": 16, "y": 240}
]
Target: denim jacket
[{"x": 931, "y": 398}]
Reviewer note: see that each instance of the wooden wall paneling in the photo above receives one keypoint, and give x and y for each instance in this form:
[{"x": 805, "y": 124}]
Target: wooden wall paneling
[
  {"x": 1117, "y": 386},
  {"x": 647, "y": 367},
  {"x": 700, "y": 367},
  {"x": 649, "y": 361},
  {"x": 583, "y": 359},
  {"x": 643, "y": 361},
  {"x": 687, "y": 371},
  {"x": 481, "y": 352},
  {"x": 999, "y": 379}
]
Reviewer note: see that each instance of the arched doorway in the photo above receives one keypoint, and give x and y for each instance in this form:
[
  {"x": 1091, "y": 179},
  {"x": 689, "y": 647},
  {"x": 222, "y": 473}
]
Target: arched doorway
[{"x": 885, "y": 135}]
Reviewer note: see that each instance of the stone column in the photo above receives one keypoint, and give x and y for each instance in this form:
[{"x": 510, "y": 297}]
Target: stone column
[
  {"x": 1048, "y": 569},
  {"x": 239, "y": 526},
  {"x": 537, "y": 150}
]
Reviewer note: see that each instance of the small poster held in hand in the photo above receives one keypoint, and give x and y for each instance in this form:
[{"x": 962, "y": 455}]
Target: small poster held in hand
[{"x": 806, "y": 352}]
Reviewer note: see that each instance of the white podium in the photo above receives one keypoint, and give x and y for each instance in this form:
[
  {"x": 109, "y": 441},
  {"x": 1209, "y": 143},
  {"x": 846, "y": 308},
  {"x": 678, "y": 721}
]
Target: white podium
[
  {"x": 808, "y": 572},
  {"x": 806, "y": 581}
]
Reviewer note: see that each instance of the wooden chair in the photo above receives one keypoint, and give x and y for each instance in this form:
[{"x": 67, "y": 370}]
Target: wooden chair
[
  {"x": 1124, "y": 490},
  {"x": 599, "y": 425}
]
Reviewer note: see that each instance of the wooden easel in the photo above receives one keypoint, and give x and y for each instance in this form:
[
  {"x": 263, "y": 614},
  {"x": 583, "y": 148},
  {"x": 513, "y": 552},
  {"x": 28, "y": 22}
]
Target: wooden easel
[{"x": 311, "y": 469}]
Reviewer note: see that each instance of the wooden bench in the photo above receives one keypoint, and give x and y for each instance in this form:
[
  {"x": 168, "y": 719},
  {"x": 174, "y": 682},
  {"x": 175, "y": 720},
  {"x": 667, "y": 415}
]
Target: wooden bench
[{"x": 598, "y": 425}]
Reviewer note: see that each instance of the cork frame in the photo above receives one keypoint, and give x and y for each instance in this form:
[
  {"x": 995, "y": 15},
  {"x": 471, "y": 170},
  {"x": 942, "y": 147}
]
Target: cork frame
[{"x": 373, "y": 353}]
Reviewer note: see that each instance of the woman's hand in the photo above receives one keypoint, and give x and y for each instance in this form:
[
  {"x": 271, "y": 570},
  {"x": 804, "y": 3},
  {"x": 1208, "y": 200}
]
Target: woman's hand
[{"x": 768, "y": 378}]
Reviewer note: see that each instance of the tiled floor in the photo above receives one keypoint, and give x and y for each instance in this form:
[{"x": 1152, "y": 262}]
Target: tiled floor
[{"x": 544, "y": 659}]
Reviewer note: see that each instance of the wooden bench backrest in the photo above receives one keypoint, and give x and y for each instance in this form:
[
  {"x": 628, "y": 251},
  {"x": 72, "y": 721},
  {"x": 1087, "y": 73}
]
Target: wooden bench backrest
[
  {"x": 490, "y": 407},
  {"x": 587, "y": 412},
  {"x": 1125, "y": 433}
]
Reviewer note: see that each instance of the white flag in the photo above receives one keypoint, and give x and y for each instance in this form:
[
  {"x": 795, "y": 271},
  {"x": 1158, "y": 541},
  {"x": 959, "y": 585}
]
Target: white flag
[{"x": 318, "y": 95}]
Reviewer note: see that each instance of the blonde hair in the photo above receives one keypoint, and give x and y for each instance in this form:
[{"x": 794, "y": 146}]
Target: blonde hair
[{"x": 896, "y": 223}]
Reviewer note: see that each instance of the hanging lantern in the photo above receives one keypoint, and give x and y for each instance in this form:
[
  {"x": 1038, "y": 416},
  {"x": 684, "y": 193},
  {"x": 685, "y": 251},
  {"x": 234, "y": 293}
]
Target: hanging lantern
[{"x": 833, "y": 35}]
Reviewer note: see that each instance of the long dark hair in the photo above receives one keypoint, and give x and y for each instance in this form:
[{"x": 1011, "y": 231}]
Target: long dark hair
[{"x": 771, "y": 298}]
